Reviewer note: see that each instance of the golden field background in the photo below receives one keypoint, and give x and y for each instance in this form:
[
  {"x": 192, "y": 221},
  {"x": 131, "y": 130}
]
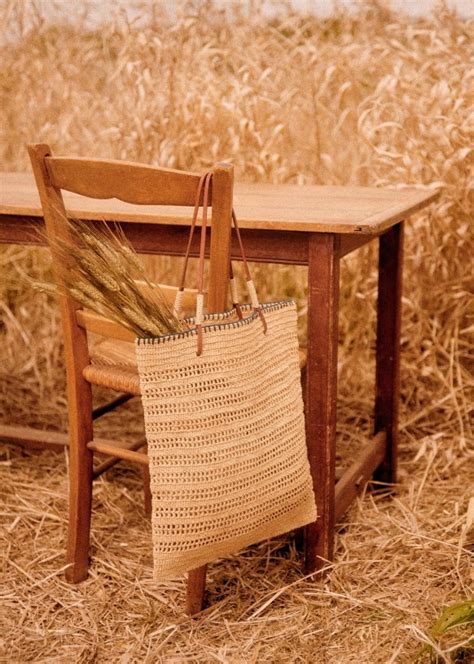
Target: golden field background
[{"x": 374, "y": 98}]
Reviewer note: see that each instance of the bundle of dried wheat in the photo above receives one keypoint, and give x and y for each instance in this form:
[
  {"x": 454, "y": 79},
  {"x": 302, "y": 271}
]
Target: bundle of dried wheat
[{"x": 104, "y": 274}]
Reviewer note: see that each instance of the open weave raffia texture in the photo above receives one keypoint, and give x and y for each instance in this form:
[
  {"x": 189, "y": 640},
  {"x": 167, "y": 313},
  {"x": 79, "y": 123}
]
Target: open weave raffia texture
[{"x": 226, "y": 440}]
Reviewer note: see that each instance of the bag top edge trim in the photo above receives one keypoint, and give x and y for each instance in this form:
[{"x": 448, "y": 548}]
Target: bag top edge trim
[{"x": 219, "y": 316}]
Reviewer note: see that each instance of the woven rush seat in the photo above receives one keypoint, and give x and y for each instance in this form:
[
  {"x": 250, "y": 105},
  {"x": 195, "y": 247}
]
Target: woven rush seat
[{"x": 114, "y": 365}]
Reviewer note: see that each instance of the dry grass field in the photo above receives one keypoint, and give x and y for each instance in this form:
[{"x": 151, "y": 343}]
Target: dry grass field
[{"x": 371, "y": 99}]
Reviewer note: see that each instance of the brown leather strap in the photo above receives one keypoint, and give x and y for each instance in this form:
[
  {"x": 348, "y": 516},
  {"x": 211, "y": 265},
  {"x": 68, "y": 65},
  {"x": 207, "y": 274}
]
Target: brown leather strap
[
  {"x": 202, "y": 247},
  {"x": 250, "y": 285},
  {"x": 233, "y": 289},
  {"x": 202, "y": 251},
  {"x": 248, "y": 276},
  {"x": 191, "y": 232},
  {"x": 205, "y": 182}
]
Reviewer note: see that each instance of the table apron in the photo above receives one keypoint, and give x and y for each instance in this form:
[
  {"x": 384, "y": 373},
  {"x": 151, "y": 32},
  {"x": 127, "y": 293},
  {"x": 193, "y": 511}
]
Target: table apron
[{"x": 265, "y": 246}]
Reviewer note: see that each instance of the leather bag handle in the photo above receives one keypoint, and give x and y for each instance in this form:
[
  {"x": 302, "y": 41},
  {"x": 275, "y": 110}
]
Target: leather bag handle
[{"x": 204, "y": 183}]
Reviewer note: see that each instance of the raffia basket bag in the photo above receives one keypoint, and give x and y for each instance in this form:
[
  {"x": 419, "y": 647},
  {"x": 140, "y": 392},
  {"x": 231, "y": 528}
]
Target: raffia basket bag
[{"x": 225, "y": 427}]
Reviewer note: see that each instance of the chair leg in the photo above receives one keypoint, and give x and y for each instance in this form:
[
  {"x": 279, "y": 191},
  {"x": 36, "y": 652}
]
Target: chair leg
[
  {"x": 195, "y": 590},
  {"x": 80, "y": 480},
  {"x": 387, "y": 372}
]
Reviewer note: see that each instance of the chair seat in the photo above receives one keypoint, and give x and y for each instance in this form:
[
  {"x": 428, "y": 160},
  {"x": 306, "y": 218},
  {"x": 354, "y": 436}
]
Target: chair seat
[{"x": 114, "y": 365}]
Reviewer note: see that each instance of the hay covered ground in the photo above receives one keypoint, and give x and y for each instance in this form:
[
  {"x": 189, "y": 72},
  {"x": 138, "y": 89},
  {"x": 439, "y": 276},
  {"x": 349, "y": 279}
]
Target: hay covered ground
[{"x": 372, "y": 99}]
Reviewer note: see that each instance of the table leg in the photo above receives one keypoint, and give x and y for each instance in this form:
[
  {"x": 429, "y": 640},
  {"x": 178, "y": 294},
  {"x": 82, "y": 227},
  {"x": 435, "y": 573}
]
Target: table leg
[
  {"x": 321, "y": 392},
  {"x": 387, "y": 371}
]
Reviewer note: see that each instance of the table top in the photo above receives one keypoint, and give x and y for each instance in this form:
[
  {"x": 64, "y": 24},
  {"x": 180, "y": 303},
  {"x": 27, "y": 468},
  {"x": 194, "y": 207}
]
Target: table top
[{"x": 309, "y": 208}]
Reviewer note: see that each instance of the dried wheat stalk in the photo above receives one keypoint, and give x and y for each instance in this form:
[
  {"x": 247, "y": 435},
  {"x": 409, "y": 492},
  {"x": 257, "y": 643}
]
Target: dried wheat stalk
[{"x": 102, "y": 273}]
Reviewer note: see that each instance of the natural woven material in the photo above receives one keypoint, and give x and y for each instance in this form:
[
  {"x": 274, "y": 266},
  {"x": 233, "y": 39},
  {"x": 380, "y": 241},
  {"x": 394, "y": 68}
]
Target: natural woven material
[{"x": 226, "y": 438}]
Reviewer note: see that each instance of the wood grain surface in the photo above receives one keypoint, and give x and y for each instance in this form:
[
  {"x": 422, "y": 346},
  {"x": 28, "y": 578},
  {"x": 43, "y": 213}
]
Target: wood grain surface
[{"x": 309, "y": 208}]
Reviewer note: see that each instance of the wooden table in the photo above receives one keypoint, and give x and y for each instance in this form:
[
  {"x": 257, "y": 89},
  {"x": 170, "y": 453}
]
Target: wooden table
[{"x": 309, "y": 225}]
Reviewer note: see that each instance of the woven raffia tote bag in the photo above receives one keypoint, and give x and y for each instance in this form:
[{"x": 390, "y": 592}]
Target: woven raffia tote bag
[{"x": 225, "y": 428}]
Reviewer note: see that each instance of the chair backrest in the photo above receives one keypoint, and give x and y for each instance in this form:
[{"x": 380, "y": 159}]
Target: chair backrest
[{"x": 137, "y": 184}]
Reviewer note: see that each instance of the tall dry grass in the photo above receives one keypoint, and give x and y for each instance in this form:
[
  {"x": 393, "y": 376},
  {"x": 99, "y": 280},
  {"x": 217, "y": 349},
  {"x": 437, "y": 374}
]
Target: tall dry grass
[{"x": 371, "y": 99}]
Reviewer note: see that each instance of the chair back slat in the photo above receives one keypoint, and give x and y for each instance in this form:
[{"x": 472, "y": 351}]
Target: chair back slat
[
  {"x": 132, "y": 183},
  {"x": 93, "y": 322},
  {"x": 188, "y": 299},
  {"x": 104, "y": 327}
]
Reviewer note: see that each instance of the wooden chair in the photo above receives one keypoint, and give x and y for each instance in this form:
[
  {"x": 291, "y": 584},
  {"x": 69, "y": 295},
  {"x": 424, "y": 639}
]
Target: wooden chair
[
  {"x": 136, "y": 184},
  {"x": 111, "y": 363}
]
